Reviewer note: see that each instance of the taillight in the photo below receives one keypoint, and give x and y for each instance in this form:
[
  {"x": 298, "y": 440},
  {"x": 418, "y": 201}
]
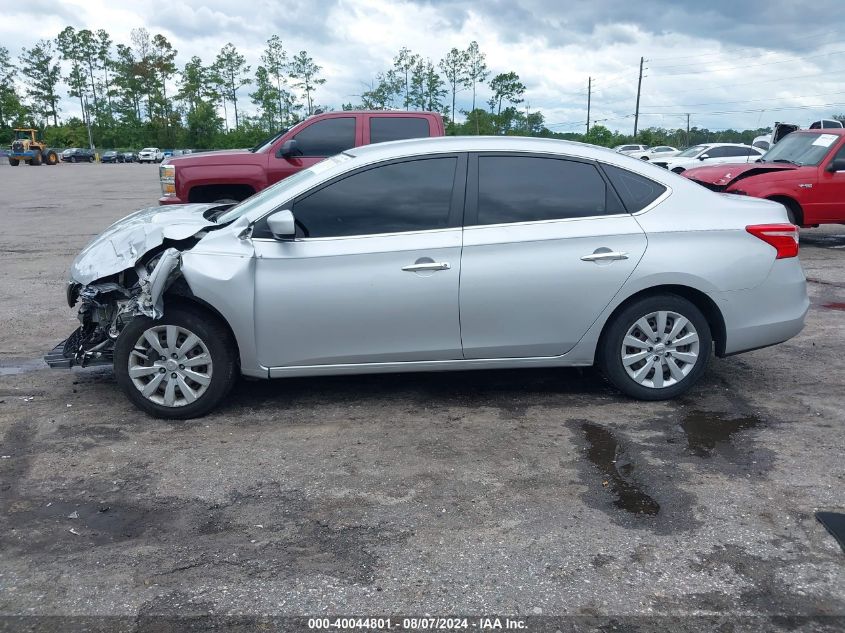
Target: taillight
[{"x": 784, "y": 237}]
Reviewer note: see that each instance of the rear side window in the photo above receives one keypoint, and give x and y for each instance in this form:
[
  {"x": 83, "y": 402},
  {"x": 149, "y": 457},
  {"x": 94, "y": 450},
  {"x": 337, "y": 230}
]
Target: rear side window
[
  {"x": 396, "y": 128},
  {"x": 327, "y": 137},
  {"x": 636, "y": 192},
  {"x": 526, "y": 189},
  {"x": 409, "y": 196}
]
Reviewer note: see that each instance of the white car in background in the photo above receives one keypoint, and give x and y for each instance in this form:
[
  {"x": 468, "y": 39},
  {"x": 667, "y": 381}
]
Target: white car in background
[
  {"x": 710, "y": 154},
  {"x": 627, "y": 149},
  {"x": 656, "y": 152},
  {"x": 150, "y": 155}
]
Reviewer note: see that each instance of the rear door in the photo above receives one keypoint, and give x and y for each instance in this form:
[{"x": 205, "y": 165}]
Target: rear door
[
  {"x": 383, "y": 128},
  {"x": 316, "y": 141},
  {"x": 547, "y": 244}
]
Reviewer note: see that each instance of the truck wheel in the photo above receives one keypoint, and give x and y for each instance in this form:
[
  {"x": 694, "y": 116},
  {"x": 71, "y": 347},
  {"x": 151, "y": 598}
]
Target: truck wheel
[
  {"x": 14, "y": 162},
  {"x": 180, "y": 366},
  {"x": 36, "y": 160},
  {"x": 73, "y": 159},
  {"x": 90, "y": 159},
  {"x": 51, "y": 158}
]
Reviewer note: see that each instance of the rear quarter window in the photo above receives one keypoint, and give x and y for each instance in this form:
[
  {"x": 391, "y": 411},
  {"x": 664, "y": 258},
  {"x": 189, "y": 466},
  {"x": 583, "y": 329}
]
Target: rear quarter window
[
  {"x": 383, "y": 129},
  {"x": 636, "y": 192}
]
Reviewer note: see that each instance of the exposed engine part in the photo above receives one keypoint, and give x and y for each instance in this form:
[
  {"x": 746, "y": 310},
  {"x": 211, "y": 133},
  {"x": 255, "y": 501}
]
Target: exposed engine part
[{"x": 106, "y": 307}]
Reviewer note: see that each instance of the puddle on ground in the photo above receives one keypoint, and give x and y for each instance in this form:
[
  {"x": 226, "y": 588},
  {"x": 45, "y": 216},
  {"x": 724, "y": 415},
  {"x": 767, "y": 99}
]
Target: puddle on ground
[
  {"x": 14, "y": 366},
  {"x": 605, "y": 452},
  {"x": 102, "y": 523},
  {"x": 705, "y": 431},
  {"x": 834, "y": 306}
]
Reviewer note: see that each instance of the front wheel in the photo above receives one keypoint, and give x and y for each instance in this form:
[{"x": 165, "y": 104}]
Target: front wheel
[
  {"x": 179, "y": 367},
  {"x": 656, "y": 348},
  {"x": 14, "y": 162}
]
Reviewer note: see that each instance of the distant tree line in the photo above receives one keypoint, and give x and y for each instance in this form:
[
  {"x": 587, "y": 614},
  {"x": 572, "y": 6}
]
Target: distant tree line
[{"x": 135, "y": 94}]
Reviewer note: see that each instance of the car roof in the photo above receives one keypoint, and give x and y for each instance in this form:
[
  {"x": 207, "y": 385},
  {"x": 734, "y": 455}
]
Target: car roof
[{"x": 445, "y": 144}]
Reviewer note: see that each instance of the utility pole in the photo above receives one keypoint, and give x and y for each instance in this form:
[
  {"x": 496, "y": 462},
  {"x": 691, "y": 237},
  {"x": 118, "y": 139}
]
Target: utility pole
[
  {"x": 639, "y": 87},
  {"x": 589, "y": 94},
  {"x": 687, "y": 129}
]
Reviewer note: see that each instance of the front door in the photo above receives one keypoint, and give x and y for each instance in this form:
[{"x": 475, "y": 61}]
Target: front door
[
  {"x": 546, "y": 248},
  {"x": 314, "y": 142},
  {"x": 829, "y": 191},
  {"x": 372, "y": 276}
]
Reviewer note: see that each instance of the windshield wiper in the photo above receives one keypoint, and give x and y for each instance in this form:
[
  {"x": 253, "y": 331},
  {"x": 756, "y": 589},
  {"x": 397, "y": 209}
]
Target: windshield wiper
[{"x": 786, "y": 160}]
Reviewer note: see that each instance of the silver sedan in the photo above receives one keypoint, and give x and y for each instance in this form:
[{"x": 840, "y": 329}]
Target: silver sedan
[{"x": 438, "y": 254}]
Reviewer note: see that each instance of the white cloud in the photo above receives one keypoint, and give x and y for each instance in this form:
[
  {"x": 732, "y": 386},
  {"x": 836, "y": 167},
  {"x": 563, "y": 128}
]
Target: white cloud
[{"x": 723, "y": 68}]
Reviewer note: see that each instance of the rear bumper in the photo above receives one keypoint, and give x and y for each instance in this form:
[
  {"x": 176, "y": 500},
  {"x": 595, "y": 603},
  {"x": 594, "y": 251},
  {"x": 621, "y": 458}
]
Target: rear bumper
[{"x": 771, "y": 313}]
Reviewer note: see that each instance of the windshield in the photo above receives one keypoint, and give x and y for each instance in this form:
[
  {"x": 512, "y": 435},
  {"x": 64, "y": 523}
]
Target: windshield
[
  {"x": 695, "y": 150},
  {"x": 277, "y": 191},
  {"x": 801, "y": 149},
  {"x": 267, "y": 142}
]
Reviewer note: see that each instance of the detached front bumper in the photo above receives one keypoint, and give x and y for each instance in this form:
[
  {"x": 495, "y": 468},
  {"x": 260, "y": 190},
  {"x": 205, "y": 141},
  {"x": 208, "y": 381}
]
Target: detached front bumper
[{"x": 67, "y": 354}]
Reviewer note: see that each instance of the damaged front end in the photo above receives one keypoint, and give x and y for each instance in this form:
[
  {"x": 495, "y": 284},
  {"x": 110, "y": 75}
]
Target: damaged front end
[{"x": 108, "y": 304}]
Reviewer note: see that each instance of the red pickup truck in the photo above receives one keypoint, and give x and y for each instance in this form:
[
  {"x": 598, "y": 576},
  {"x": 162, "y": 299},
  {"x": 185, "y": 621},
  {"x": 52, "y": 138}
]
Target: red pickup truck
[
  {"x": 805, "y": 171},
  {"x": 234, "y": 175}
]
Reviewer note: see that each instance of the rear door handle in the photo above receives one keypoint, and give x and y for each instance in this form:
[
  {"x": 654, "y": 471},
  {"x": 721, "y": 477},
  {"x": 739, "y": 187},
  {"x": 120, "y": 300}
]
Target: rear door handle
[
  {"x": 604, "y": 256},
  {"x": 413, "y": 268}
]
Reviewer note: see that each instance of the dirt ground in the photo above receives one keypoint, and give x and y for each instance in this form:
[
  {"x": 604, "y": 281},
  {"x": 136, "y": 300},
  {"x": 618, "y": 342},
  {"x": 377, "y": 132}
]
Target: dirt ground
[{"x": 535, "y": 493}]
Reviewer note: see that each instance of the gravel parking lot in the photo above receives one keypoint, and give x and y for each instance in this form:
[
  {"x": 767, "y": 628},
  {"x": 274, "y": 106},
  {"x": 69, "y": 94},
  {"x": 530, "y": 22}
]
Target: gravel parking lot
[{"x": 530, "y": 493}]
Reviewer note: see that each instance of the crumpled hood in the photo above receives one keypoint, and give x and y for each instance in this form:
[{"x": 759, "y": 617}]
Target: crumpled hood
[
  {"x": 724, "y": 175},
  {"x": 122, "y": 244}
]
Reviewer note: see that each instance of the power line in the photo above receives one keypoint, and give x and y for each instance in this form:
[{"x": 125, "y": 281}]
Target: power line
[
  {"x": 712, "y": 103},
  {"x": 743, "y": 66}
]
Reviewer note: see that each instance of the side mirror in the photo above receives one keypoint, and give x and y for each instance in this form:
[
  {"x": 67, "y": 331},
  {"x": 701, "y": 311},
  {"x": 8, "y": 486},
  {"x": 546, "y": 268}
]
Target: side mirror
[
  {"x": 288, "y": 149},
  {"x": 837, "y": 164},
  {"x": 282, "y": 224},
  {"x": 704, "y": 157}
]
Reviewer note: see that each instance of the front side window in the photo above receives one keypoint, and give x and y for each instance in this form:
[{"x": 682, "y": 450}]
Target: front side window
[
  {"x": 692, "y": 151},
  {"x": 408, "y": 196},
  {"x": 327, "y": 137},
  {"x": 526, "y": 189},
  {"x": 396, "y": 128}
]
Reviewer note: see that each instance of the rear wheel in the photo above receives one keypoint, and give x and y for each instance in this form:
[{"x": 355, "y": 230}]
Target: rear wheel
[
  {"x": 36, "y": 160},
  {"x": 14, "y": 162},
  {"x": 180, "y": 366},
  {"x": 73, "y": 159},
  {"x": 656, "y": 348},
  {"x": 51, "y": 158},
  {"x": 90, "y": 159}
]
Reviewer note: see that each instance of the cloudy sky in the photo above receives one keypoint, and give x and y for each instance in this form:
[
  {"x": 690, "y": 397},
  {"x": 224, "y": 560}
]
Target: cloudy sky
[{"x": 728, "y": 63}]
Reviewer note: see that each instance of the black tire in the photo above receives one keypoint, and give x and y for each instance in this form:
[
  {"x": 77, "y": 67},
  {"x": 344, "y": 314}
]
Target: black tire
[
  {"x": 215, "y": 337},
  {"x": 645, "y": 158},
  {"x": 51, "y": 158},
  {"x": 73, "y": 159},
  {"x": 14, "y": 162},
  {"x": 609, "y": 354},
  {"x": 90, "y": 159},
  {"x": 36, "y": 160}
]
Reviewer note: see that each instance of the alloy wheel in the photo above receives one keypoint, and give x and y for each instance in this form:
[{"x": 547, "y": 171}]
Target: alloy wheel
[
  {"x": 660, "y": 349},
  {"x": 170, "y": 365}
]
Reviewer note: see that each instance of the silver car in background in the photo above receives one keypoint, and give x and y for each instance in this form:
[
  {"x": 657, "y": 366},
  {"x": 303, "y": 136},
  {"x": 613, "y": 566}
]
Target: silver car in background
[{"x": 438, "y": 254}]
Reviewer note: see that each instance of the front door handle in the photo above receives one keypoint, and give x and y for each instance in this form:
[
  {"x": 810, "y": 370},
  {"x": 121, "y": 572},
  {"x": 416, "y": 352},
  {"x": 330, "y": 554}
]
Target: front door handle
[
  {"x": 603, "y": 256},
  {"x": 413, "y": 268}
]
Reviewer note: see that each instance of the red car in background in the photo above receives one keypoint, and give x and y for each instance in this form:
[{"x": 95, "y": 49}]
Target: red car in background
[{"x": 805, "y": 171}]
